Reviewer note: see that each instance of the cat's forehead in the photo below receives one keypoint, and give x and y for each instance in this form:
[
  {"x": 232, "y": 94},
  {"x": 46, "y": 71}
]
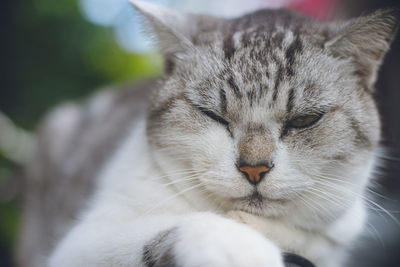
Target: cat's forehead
[{"x": 276, "y": 68}]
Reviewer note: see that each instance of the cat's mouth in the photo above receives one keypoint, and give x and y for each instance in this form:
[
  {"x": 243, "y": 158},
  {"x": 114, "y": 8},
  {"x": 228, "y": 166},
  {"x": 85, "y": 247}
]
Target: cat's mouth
[
  {"x": 255, "y": 199},
  {"x": 258, "y": 201}
]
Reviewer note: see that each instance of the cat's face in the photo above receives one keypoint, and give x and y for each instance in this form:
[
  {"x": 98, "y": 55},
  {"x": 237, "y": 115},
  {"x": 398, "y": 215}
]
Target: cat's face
[{"x": 273, "y": 120}]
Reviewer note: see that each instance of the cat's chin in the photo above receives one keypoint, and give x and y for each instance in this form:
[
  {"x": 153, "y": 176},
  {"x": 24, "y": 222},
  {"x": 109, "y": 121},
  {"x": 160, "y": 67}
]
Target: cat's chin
[{"x": 258, "y": 204}]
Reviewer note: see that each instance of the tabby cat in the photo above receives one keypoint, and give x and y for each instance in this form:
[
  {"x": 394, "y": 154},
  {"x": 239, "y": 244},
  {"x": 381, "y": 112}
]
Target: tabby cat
[{"x": 259, "y": 140}]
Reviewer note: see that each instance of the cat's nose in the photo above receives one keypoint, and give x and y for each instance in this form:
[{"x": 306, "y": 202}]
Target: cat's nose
[{"x": 255, "y": 174}]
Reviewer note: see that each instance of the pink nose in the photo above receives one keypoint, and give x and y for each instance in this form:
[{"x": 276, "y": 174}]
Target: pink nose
[{"x": 254, "y": 174}]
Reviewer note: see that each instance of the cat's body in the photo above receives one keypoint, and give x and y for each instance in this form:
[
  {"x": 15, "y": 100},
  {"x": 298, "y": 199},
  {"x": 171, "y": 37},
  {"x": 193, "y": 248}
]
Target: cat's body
[{"x": 259, "y": 140}]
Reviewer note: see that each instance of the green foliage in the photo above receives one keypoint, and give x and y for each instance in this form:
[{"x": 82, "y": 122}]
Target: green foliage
[
  {"x": 9, "y": 212},
  {"x": 62, "y": 56}
]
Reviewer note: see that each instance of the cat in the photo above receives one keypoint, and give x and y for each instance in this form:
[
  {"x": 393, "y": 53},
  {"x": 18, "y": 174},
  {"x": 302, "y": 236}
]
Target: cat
[{"x": 260, "y": 139}]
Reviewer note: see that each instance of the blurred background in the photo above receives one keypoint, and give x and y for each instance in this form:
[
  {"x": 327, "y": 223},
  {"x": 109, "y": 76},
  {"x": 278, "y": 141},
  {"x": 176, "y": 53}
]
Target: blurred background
[{"x": 65, "y": 50}]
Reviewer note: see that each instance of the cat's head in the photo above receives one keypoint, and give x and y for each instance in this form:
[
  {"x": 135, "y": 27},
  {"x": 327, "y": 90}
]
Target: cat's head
[{"x": 271, "y": 112}]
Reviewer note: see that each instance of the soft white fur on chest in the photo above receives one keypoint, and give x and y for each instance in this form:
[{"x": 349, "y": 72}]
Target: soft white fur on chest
[{"x": 322, "y": 247}]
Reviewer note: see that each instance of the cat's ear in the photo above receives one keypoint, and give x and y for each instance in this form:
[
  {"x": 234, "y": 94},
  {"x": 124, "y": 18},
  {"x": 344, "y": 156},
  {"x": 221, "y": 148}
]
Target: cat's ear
[
  {"x": 365, "y": 41},
  {"x": 172, "y": 28}
]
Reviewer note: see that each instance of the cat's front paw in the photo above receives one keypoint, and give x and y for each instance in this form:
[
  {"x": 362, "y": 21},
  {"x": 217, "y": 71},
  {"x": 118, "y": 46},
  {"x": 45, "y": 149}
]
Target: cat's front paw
[{"x": 212, "y": 241}]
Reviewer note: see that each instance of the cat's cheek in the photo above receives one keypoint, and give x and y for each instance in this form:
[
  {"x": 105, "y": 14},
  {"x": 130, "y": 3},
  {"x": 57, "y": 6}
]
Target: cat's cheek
[{"x": 214, "y": 148}]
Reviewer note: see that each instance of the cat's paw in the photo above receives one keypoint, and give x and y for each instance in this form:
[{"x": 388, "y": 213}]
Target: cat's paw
[{"x": 212, "y": 241}]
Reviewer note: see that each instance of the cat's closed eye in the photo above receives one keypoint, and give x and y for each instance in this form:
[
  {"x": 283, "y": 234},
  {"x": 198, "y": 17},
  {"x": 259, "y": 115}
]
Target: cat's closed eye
[
  {"x": 213, "y": 116},
  {"x": 304, "y": 121}
]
